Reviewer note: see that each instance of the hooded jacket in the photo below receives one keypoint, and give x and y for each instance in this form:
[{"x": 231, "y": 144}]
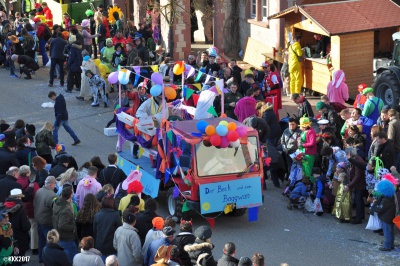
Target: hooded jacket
[
  {"x": 54, "y": 255},
  {"x": 197, "y": 248},
  {"x": 245, "y": 107},
  {"x": 88, "y": 185},
  {"x": 337, "y": 90},
  {"x": 63, "y": 219},
  {"x": 45, "y": 140},
  {"x": 181, "y": 240},
  {"x": 75, "y": 58}
]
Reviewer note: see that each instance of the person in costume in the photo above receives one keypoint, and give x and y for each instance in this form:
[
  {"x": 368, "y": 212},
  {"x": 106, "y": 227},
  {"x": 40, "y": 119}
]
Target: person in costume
[
  {"x": 87, "y": 64},
  {"x": 6, "y": 239},
  {"x": 106, "y": 54},
  {"x": 337, "y": 91},
  {"x": 153, "y": 107},
  {"x": 97, "y": 85},
  {"x": 373, "y": 105},
  {"x": 342, "y": 206},
  {"x": 68, "y": 22},
  {"x": 295, "y": 66},
  {"x": 360, "y": 98},
  {"x": 47, "y": 14},
  {"x": 307, "y": 146}
]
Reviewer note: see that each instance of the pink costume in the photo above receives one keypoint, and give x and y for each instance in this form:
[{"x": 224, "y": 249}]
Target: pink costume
[{"x": 337, "y": 90}]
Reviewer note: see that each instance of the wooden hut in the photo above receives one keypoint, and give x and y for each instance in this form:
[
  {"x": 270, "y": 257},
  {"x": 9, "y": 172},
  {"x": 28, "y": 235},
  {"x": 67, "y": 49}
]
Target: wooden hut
[{"x": 359, "y": 31}]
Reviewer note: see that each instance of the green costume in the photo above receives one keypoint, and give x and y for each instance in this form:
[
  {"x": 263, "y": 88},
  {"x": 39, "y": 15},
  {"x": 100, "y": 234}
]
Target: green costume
[
  {"x": 370, "y": 104},
  {"x": 307, "y": 163},
  {"x": 107, "y": 57}
]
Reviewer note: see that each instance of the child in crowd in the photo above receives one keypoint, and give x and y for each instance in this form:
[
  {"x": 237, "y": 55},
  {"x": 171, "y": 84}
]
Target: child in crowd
[
  {"x": 320, "y": 181},
  {"x": 299, "y": 193},
  {"x": 342, "y": 208}
]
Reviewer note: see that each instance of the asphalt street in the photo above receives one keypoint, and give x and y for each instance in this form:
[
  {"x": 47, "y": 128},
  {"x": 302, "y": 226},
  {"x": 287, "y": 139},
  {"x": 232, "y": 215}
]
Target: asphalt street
[{"x": 281, "y": 235}]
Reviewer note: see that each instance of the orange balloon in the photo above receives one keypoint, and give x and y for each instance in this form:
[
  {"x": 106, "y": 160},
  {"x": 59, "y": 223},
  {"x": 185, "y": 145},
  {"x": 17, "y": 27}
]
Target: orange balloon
[
  {"x": 170, "y": 93},
  {"x": 210, "y": 130},
  {"x": 223, "y": 115},
  {"x": 232, "y": 126}
]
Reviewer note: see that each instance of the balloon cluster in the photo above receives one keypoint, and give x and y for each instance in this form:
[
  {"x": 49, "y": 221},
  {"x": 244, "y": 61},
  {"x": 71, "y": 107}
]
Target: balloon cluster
[{"x": 222, "y": 136}]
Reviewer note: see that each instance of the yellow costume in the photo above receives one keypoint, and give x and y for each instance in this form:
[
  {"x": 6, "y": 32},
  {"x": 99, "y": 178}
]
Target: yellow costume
[
  {"x": 342, "y": 206},
  {"x": 295, "y": 68},
  {"x": 123, "y": 204}
]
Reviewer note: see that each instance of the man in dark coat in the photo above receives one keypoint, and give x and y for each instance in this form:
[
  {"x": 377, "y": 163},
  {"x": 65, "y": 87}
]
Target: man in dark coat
[
  {"x": 144, "y": 219},
  {"x": 385, "y": 150},
  {"x": 143, "y": 53},
  {"x": 61, "y": 113},
  {"x": 9, "y": 182},
  {"x": 74, "y": 65},
  {"x": 61, "y": 167},
  {"x": 111, "y": 174},
  {"x": 57, "y": 46},
  {"x": 231, "y": 98},
  {"x": 26, "y": 64},
  {"x": 7, "y": 156},
  {"x": 303, "y": 105},
  {"x": 228, "y": 258},
  {"x": 60, "y": 149},
  {"x": 236, "y": 71}
]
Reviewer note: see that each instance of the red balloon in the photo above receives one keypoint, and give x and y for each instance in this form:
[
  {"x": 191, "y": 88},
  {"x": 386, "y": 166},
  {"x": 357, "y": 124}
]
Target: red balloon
[
  {"x": 215, "y": 140},
  {"x": 232, "y": 135}
]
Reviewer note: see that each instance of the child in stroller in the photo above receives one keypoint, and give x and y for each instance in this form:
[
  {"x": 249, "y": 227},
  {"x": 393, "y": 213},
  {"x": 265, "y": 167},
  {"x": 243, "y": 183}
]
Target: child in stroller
[
  {"x": 299, "y": 194},
  {"x": 296, "y": 173}
]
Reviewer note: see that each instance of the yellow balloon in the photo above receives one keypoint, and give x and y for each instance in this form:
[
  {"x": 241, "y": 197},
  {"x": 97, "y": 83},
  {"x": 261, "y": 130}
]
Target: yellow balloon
[
  {"x": 97, "y": 62},
  {"x": 223, "y": 122},
  {"x": 178, "y": 69}
]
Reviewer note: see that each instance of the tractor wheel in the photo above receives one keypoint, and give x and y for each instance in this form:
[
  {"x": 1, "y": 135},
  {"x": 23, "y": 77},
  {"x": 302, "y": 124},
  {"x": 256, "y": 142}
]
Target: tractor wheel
[
  {"x": 239, "y": 212},
  {"x": 174, "y": 204},
  {"x": 387, "y": 88}
]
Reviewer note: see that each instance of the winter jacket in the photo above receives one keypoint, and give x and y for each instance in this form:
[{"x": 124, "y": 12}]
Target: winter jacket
[
  {"x": 245, "y": 107},
  {"x": 290, "y": 140},
  {"x": 54, "y": 255},
  {"x": 41, "y": 177},
  {"x": 152, "y": 235},
  {"x": 386, "y": 153},
  {"x": 88, "y": 185},
  {"x": 132, "y": 54},
  {"x": 44, "y": 140},
  {"x": 20, "y": 223},
  {"x": 152, "y": 250},
  {"x": 24, "y": 154},
  {"x": 84, "y": 230},
  {"x": 227, "y": 260},
  {"x": 127, "y": 243},
  {"x": 7, "y": 184},
  {"x": 357, "y": 174},
  {"x": 63, "y": 219},
  {"x": 57, "y": 46},
  {"x": 197, "y": 248},
  {"x": 91, "y": 257},
  {"x": 43, "y": 205},
  {"x": 385, "y": 207},
  {"x": 105, "y": 223},
  {"x": 75, "y": 58},
  {"x": 272, "y": 120},
  {"x": 231, "y": 98},
  {"x": 29, "y": 193},
  {"x": 7, "y": 159},
  {"x": 300, "y": 190},
  {"x": 111, "y": 175},
  {"x": 305, "y": 108},
  {"x": 394, "y": 133},
  {"x": 181, "y": 240},
  {"x": 72, "y": 161},
  {"x": 57, "y": 170},
  {"x": 143, "y": 53},
  {"x": 144, "y": 223},
  {"x": 260, "y": 125}
]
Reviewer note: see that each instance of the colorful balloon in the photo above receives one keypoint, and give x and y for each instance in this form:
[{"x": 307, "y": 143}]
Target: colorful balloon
[
  {"x": 157, "y": 78},
  {"x": 222, "y": 130},
  {"x": 156, "y": 90},
  {"x": 242, "y": 131},
  {"x": 210, "y": 130},
  {"x": 201, "y": 126},
  {"x": 232, "y": 135},
  {"x": 232, "y": 126},
  {"x": 178, "y": 69},
  {"x": 123, "y": 77},
  {"x": 235, "y": 144},
  {"x": 215, "y": 140},
  {"x": 224, "y": 142},
  {"x": 170, "y": 93},
  {"x": 113, "y": 77},
  {"x": 223, "y": 122}
]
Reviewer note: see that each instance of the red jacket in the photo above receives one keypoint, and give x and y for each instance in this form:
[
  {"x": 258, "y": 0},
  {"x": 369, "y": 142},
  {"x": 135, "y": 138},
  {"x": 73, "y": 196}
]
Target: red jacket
[
  {"x": 29, "y": 194},
  {"x": 49, "y": 17}
]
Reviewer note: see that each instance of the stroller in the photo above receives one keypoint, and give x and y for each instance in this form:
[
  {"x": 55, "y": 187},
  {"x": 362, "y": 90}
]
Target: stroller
[{"x": 295, "y": 176}]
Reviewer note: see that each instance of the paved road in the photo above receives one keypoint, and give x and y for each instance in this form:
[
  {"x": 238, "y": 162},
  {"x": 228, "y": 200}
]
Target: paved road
[{"x": 281, "y": 235}]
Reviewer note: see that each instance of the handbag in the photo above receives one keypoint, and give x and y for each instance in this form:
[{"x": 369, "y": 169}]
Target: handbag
[
  {"x": 318, "y": 205},
  {"x": 299, "y": 58},
  {"x": 374, "y": 223}
]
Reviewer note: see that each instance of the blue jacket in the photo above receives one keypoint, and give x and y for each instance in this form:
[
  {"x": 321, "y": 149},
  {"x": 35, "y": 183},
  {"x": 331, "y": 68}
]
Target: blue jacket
[
  {"x": 75, "y": 58},
  {"x": 57, "y": 48},
  {"x": 300, "y": 190},
  {"x": 60, "y": 108},
  {"x": 152, "y": 250}
]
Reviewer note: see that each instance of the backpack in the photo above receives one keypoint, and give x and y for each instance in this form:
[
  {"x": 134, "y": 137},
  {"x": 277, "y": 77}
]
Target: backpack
[
  {"x": 47, "y": 33},
  {"x": 121, "y": 192}
]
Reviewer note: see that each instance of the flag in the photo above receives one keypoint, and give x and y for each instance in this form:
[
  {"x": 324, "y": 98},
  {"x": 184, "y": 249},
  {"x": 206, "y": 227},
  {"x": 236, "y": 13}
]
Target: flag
[
  {"x": 211, "y": 221},
  {"x": 154, "y": 68},
  {"x": 228, "y": 208},
  {"x": 189, "y": 93},
  {"x": 166, "y": 176},
  {"x": 219, "y": 85},
  {"x": 207, "y": 79},
  {"x": 197, "y": 85},
  {"x": 211, "y": 110},
  {"x": 253, "y": 214},
  {"x": 198, "y": 76},
  {"x": 170, "y": 136},
  {"x": 176, "y": 192},
  {"x": 191, "y": 71},
  {"x": 141, "y": 151},
  {"x": 185, "y": 208}
]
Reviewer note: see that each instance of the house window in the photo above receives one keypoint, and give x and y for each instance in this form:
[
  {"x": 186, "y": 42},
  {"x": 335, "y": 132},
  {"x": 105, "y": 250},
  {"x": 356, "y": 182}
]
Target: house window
[
  {"x": 253, "y": 8},
  {"x": 264, "y": 10}
]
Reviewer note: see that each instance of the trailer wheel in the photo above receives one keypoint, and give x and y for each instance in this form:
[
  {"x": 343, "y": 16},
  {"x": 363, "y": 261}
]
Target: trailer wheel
[
  {"x": 174, "y": 204},
  {"x": 387, "y": 88},
  {"x": 239, "y": 212}
]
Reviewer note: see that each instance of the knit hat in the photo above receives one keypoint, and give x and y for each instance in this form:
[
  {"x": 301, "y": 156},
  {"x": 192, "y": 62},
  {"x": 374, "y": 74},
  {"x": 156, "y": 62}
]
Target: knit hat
[
  {"x": 4, "y": 127},
  {"x": 65, "y": 34},
  {"x": 158, "y": 223},
  {"x": 203, "y": 232},
  {"x": 320, "y": 105},
  {"x": 16, "y": 192},
  {"x": 31, "y": 129},
  {"x": 368, "y": 90},
  {"x": 60, "y": 147}
]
